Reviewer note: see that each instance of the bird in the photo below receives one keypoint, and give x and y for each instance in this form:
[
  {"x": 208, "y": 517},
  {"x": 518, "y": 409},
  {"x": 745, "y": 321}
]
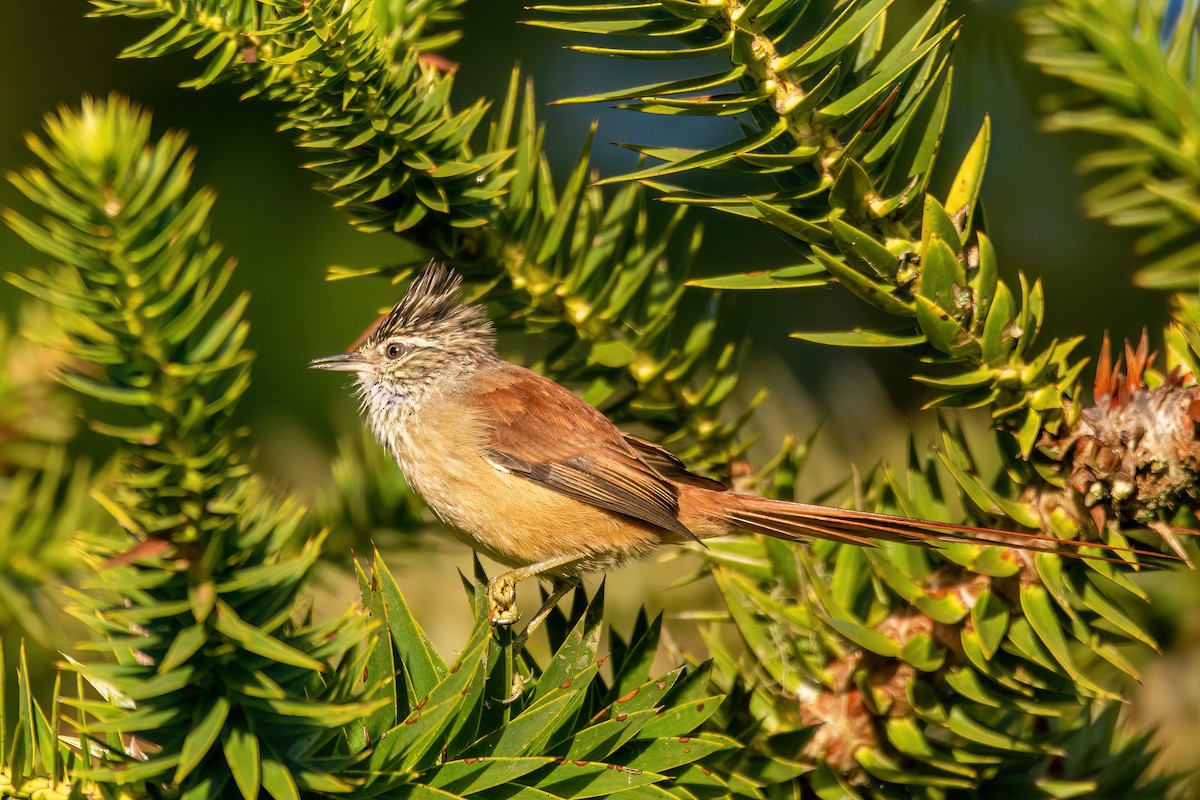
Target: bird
[{"x": 525, "y": 472}]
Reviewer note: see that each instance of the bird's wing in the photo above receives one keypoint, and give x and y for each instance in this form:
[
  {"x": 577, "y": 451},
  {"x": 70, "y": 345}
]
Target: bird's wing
[
  {"x": 540, "y": 431},
  {"x": 669, "y": 465}
]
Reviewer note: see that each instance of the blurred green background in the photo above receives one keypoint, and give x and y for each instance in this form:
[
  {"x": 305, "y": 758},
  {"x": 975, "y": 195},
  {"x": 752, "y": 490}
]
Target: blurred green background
[{"x": 285, "y": 235}]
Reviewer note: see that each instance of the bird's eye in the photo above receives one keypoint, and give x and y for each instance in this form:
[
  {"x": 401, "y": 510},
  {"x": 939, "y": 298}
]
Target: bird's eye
[{"x": 394, "y": 350}]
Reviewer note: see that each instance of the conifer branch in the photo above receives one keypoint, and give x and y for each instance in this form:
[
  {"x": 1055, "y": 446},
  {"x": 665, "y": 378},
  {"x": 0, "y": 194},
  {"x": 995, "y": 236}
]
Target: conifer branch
[
  {"x": 43, "y": 490},
  {"x": 904, "y": 660},
  {"x": 943, "y": 661},
  {"x": 827, "y": 116},
  {"x": 196, "y": 603},
  {"x": 849, "y": 131},
  {"x": 395, "y": 157},
  {"x": 904, "y": 251},
  {"x": 1131, "y": 75},
  {"x": 217, "y": 686},
  {"x": 1132, "y": 79}
]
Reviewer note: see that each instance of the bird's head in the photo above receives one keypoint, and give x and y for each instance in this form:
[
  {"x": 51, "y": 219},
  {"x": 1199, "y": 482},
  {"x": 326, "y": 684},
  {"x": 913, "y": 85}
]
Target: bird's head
[{"x": 428, "y": 342}]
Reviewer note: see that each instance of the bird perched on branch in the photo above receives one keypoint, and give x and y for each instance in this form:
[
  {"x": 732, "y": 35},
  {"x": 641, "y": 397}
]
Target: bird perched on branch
[{"x": 530, "y": 475}]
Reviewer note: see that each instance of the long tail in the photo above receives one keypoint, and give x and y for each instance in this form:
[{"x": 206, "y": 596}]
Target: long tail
[{"x": 801, "y": 521}]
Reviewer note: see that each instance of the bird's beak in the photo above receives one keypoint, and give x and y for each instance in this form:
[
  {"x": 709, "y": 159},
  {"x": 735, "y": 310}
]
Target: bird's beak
[{"x": 342, "y": 362}]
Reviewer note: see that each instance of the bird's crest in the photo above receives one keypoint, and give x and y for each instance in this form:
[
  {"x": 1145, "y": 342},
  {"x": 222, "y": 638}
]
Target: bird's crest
[{"x": 433, "y": 305}]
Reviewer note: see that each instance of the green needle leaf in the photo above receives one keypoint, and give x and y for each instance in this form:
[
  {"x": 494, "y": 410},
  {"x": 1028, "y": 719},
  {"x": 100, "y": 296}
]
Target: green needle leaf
[
  {"x": 857, "y": 337},
  {"x": 964, "y": 191},
  {"x": 1038, "y": 608},
  {"x": 422, "y": 664},
  {"x": 206, "y": 727},
  {"x": 277, "y": 781},
  {"x": 260, "y": 643},
  {"x": 241, "y": 753},
  {"x": 474, "y": 775},
  {"x": 707, "y": 159},
  {"x": 588, "y": 779}
]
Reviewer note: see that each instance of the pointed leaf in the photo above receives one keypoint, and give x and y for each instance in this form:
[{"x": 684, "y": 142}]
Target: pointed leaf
[
  {"x": 241, "y": 753},
  {"x": 597, "y": 742},
  {"x": 422, "y": 663},
  {"x": 185, "y": 645},
  {"x": 661, "y": 88},
  {"x": 634, "y": 669},
  {"x": 942, "y": 276},
  {"x": 568, "y": 203},
  {"x": 527, "y": 732},
  {"x": 409, "y": 745},
  {"x": 964, "y": 191},
  {"x": 862, "y": 251},
  {"x": 206, "y": 727},
  {"x": 887, "y": 74},
  {"x": 836, "y": 35},
  {"x": 1036, "y": 603},
  {"x": 468, "y": 776},
  {"x": 878, "y": 295},
  {"x": 277, "y": 781},
  {"x": 577, "y": 655},
  {"x": 798, "y": 276},
  {"x": 708, "y": 158},
  {"x": 989, "y": 619},
  {"x": 662, "y": 754},
  {"x": 260, "y": 643},
  {"x": 588, "y": 779},
  {"x": 857, "y": 337}
]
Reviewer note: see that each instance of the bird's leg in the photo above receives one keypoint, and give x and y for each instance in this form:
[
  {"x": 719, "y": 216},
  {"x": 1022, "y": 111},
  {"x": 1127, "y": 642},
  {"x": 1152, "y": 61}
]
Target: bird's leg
[
  {"x": 502, "y": 589},
  {"x": 562, "y": 587}
]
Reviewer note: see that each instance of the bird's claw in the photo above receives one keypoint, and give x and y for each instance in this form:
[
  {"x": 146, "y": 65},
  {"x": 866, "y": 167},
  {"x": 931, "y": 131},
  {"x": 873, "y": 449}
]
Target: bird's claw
[
  {"x": 502, "y": 601},
  {"x": 518, "y": 688}
]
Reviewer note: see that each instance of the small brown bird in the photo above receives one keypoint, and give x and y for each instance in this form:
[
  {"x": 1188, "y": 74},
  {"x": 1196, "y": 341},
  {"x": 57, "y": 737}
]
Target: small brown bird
[{"x": 530, "y": 475}]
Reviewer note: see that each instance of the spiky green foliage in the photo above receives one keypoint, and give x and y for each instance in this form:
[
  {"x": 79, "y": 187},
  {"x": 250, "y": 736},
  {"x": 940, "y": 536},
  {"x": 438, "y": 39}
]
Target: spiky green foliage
[
  {"x": 1132, "y": 76},
  {"x": 1132, "y": 81},
  {"x": 40, "y": 512},
  {"x": 43, "y": 495},
  {"x": 37, "y": 416},
  {"x": 196, "y": 603},
  {"x": 586, "y": 273},
  {"x": 136, "y": 279},
  {"x": 43, "y": 491},
  {"x": 929, "y": 675},
  {"x": 31, "y": 760},
  {"x": 926, "y": 680},
  {"x": 848, "y": 130},
  {"x": 215, "y": 684},
  {"x": 824, "y": 106},
  {"x": 434, "y": 729},
  {"x": 461, "y": 731},
  {"x": 945, "y": 670}
]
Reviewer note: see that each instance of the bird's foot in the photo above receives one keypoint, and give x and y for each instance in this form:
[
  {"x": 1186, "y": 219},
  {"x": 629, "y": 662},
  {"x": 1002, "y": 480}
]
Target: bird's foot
[
  {"x": 502, "y": 600},
  {"x": 518, "y": 689}
]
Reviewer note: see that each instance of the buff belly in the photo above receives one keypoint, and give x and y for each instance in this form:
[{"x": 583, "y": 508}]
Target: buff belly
[{"x": 514, "y": 520}]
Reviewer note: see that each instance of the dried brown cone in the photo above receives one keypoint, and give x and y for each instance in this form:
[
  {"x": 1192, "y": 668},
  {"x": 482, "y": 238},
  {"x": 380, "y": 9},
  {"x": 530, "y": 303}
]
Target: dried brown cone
[
  {"x": 1135, "y": 455},
  {"x": 848, "y": 715}
]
